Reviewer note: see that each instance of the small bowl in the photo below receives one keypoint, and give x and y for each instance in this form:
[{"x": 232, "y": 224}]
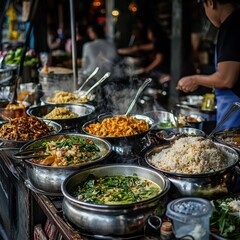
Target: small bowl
[
  {"x": 162, "y": 119},
  {"x": 195, "y": 121},
  {"x": 84, "y": 112}
]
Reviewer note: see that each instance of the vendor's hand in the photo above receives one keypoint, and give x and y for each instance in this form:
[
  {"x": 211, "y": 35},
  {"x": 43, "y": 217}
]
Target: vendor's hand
[
  {"x": 125, "y": 51},
  {"x": 187, "y": 84}
]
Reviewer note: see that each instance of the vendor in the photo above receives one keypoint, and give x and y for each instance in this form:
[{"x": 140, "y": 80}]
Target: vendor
[{"x": 225, "y": 15}]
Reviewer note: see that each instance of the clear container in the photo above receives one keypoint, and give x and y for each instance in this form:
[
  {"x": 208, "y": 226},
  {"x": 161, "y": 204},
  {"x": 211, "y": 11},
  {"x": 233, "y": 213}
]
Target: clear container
[
  {"x": 190, "y": 216},
  {"x": 57, "y": 79}
]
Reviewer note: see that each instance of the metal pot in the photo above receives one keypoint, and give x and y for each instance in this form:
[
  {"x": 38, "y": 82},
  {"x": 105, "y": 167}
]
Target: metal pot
[
  {"x": 230, "y": 137},
  {"x": 48, "y": 178},
  {"x": 91, "y": 100},
  {"x": 7, "y": 75},
  {"x": 207, "y": 185},
  {"x": 84, "y": 112},
  {"x": 112, "y": 220},
  {"x": 123, "y": 146}
]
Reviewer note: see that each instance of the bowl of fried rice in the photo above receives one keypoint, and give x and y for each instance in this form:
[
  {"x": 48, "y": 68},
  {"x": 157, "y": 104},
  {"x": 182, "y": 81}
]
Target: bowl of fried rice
[{"x": 196, "y": 166}]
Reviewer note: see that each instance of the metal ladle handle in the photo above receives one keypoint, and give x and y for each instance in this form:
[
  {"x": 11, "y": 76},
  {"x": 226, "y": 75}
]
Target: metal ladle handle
[
  {"x": 90, "y": 77},
  {"x": 146, "y": 82},
  {"x": 106, "y": 75},
  {"x": 235, "y": 106}
]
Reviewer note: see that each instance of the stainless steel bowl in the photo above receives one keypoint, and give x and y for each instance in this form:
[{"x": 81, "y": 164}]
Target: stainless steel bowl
[
  {"x": 113, "y": 220},
  {"x": 123, "y": 146},
  {"x": 84, "y": 112},
  {"x": 162, "y": 119},
  {"x": 175, "y": 133},
  {"x": 49, "y": 178},
  {"x": 91, "y": 100},
  {"x": 207, "y": 185}
]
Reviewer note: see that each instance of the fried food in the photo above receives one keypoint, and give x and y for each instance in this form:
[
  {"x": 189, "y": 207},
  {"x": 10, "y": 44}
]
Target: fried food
[
  {"x": 24, "y": 128},
  {"x": 118, "y": 126}
]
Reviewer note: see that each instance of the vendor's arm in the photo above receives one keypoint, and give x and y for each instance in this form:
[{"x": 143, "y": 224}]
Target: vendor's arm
[
  {"x": 226, "y": 77},
  {"x": 156, "y": 62},
  {"x": 136, "y": 48}
]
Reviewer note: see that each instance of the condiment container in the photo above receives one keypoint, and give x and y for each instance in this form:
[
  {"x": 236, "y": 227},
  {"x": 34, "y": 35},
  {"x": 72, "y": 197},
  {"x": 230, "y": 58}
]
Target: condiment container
[{"x": 190, "y": 217}]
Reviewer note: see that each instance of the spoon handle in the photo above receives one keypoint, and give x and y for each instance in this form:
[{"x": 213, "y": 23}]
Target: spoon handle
[
  {"x": 98, "y": 82},
  {"x": 90, "y": 76},
  {"x": 235, "y": 106},
  {"x": 146, "y": 82}
]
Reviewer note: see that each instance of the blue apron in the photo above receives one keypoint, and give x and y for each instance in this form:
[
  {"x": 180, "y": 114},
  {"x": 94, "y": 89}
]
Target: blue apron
[{"x": 225, "y": 98}]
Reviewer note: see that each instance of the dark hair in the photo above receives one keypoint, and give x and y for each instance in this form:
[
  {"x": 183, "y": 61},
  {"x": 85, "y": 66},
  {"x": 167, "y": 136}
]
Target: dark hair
[
  {"x": 81, "y": 29},
  {"x": 99, "y": 30}
]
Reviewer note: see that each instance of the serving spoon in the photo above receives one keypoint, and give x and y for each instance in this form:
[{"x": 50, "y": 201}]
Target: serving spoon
[
  {"x": 87, "y": 80},
  {"x": 142, "y": 87},
  {"x": 101, "y": 80}
]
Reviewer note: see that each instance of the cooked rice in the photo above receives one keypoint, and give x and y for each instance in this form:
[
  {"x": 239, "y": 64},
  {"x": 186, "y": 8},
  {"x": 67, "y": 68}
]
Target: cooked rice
[{"x": 191, "y": 155}]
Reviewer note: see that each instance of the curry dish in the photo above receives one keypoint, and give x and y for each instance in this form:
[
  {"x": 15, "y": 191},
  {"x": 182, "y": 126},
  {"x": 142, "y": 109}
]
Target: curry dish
[{"x": 116, "y": 190}]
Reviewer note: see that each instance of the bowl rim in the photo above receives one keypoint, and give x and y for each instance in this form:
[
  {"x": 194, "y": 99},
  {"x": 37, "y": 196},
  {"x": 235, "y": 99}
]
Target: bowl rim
[
  {"x": 134, "y": 205},
  {"x": 28, "y": 161},
  {"x": 199, "y": 175},
  {"x": 53, "y": 106},
  {"x": 95, "y": 120}
]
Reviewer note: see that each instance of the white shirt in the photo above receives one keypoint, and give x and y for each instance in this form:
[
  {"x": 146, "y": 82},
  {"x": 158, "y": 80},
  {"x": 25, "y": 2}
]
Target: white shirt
[{"x": 98, "y": 53}]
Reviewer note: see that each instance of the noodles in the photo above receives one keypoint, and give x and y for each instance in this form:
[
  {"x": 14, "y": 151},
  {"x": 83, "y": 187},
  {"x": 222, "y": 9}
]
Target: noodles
[
  {"x": 118, "y": 126},
  {"x": 61, "y": 113},
  {"x": 66, "y": 97}
]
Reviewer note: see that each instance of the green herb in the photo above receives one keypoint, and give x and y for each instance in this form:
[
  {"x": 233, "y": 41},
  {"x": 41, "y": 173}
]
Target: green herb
[{"x": 227, "y": 224}]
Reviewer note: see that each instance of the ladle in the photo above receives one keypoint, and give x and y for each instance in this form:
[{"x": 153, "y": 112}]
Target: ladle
[
  {"x": 142, "y": 87},
  {"x": 235, "y": 106},
  {"x": 86, "y": 81},
  {"x": 101, "y": 80}
]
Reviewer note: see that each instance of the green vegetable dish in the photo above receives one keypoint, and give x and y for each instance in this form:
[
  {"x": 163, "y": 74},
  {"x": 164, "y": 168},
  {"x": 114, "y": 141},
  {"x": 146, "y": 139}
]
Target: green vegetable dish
[
  {"x": 165, "y": 124},
  {"x": 68, "y": 151},
  {"x": 225, "y": 220},
  {"x": 116, "y": 190}
]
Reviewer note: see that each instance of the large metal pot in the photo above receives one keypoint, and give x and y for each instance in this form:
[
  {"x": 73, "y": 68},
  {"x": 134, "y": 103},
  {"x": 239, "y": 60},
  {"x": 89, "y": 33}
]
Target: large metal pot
[
  {"x": 123, "y": 146},
  {"x": 48, "y": 178},
  {"x": 84, "y": 112},
  {"x": 112, "y": 220},
  {"x": 206, "y": 185}
]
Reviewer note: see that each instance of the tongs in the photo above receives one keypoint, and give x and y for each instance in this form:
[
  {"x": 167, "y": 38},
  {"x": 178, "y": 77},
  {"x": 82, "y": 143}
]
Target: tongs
[
  {"x": 235, "y": 106},
  {"x": 31, "y": 153}
]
